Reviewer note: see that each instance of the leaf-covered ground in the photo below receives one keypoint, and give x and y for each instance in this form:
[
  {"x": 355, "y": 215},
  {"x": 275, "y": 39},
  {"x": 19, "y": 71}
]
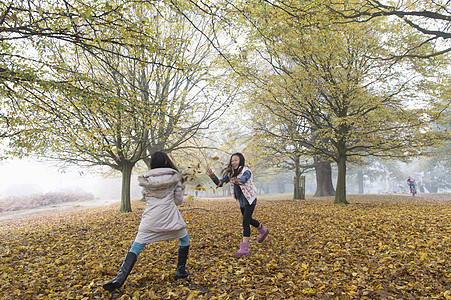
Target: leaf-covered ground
[{"x": 378, "y": 247}]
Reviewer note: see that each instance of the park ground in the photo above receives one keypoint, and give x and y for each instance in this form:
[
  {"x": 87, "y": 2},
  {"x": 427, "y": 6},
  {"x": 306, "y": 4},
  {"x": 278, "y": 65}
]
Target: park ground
[{"x": 377, "y": 247}]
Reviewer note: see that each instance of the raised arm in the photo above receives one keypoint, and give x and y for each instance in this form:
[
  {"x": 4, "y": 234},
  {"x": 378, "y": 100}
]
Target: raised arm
[{"x": 216, "y": 180}]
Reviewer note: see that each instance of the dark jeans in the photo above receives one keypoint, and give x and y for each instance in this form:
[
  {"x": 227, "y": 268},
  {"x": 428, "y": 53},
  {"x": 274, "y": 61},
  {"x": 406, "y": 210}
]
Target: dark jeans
[{"x": 247, "y": 212}]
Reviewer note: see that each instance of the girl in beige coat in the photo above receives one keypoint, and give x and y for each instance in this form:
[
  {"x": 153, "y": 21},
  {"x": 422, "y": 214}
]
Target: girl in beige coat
[{"x": 161, "y": 220}]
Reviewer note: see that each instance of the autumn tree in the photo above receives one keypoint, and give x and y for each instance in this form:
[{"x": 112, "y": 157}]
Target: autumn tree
[
  {"x": 123, "y": 104},
  {"x": 309, "y": 42},
  {"x": 329, "y": 77},
  {"x": 276, "y": 139},
  {"x": 28, "y": 30},
  {"x": 280, "y": 135}
]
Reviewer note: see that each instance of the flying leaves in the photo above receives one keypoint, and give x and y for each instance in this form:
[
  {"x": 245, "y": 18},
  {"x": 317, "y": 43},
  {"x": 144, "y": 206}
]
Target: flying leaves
[{"x": 378, "y": 247}]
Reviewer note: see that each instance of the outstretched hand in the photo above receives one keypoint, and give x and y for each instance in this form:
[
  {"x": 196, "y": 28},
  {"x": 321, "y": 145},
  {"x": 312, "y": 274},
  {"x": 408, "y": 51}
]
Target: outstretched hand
[
  {"x": 210, "y": 173},
  {"x": 235, "y": 180}
]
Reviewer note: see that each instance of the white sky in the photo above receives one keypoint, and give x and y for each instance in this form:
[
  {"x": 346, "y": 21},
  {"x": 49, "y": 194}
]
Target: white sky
[{"x": 26, "y": 177}]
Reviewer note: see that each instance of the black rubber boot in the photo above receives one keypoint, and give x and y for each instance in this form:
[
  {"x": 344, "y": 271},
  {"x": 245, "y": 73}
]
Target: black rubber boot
[
  {"x": 126, "y": 267},
  {"x": 181, "y": 262}
]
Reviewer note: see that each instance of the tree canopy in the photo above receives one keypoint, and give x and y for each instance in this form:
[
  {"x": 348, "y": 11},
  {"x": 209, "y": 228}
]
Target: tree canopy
[
  {"x": 330, "y": 78},
  {"x": 29, "y": 31},
  {"x": 108, "y": 83},
  {"x": 117, "y": 107}
]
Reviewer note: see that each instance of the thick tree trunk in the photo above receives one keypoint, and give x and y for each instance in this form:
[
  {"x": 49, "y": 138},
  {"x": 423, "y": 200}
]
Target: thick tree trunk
[
  {"x": 431, "y": 188},
  {"x": 340, "y": 194},
  {"x": 324, "y": 186},
  {"x": 360, "y": 181},
  {"x": 127, "y": 168},
  {"x": 421, "y": 187}
]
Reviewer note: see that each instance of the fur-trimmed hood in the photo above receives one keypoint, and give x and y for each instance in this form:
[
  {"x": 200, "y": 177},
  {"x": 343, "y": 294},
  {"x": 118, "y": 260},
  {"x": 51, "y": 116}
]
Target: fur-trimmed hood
[{"x": 160, "y": 178}]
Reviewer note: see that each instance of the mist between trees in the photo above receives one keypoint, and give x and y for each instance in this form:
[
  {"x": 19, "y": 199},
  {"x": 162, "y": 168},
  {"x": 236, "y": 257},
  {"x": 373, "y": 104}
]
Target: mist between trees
[
  {"x": 295, "y": 86},
  {"x": 379, "y": 178},
  {"x": 35, "y": 201}
]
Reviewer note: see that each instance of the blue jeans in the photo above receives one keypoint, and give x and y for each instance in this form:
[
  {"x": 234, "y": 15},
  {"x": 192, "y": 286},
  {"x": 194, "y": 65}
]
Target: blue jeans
[{"x": 138, "y": 247}]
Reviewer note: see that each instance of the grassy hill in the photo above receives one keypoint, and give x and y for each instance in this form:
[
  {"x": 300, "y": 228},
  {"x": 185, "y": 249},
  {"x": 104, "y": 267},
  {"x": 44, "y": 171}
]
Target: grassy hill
[{"x": 378, "y": 247}]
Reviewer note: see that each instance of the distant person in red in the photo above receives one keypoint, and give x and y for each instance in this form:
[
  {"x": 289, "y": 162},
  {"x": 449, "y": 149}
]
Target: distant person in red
[
  {"x": 243, "y": 190},
  {"x": 161, "y": 220},
  {"x": 411, "y": 183}
]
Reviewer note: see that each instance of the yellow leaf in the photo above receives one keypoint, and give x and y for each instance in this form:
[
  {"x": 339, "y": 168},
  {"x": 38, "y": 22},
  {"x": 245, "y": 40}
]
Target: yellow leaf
[
  {"x": 191, "y": 296},
  {"x": 135, "y": 295},
  {"x": 308, "y": 291}
]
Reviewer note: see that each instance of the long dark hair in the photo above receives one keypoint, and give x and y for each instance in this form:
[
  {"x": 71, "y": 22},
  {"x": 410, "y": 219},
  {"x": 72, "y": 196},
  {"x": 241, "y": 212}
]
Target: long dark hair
[
  {"x": 229, "y": 169},
  {"x": 161, "y": 160}
]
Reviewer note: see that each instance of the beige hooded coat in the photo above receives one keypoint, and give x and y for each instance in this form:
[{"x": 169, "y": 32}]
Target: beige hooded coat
[{"x": 163, "y": 191}]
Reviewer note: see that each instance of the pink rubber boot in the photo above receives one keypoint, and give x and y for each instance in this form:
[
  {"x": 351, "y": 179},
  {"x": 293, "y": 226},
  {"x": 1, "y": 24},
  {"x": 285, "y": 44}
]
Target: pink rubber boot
[
  {"x": 263, "y": 233},
  {"x": 244, "y": 249}
]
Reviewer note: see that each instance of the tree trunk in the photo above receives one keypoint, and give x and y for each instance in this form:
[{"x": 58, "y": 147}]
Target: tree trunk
[
  {"x": 127, "y": 168},
  {"x": 340, "y": 194},
  {"x": 324, "y": 186},
  {"x": 360, "y": 181},
  {"x": 420, "y": 187},
  {"x": 387, "y": 181},
  {"x": 431, "y": 188},
  {"x": 302, "y": 188},
  {"x": 297, "y": 179}
]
